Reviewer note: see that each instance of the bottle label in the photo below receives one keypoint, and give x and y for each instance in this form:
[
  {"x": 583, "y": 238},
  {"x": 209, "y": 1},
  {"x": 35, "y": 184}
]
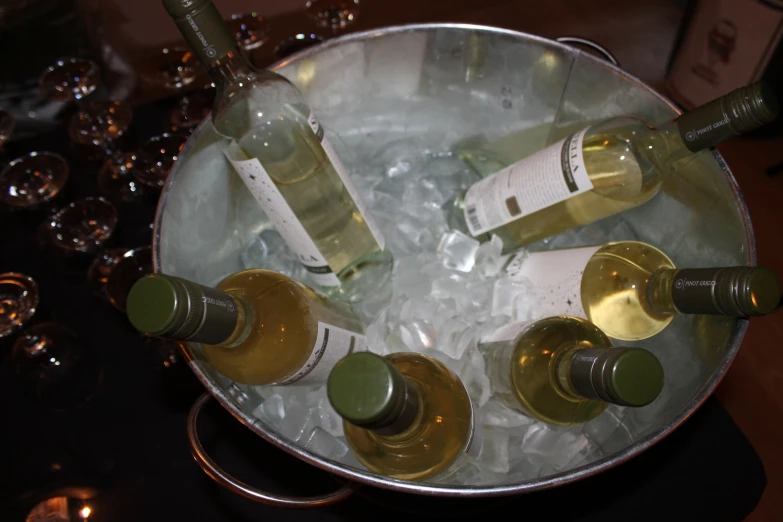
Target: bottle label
[
  {"x": 549, "y": 176},
  {"x": 283, "y": 218},
  {"x": 332, "y": 344},
  {"x": 556, "y": 279},
  {"x": 349, "y": 186}
]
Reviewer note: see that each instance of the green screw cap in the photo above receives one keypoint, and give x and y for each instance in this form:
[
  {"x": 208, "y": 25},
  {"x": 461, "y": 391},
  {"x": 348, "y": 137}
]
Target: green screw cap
[
  {"x": 633, "y": 377},
  {"x": 368, "y": 391},
  {"x": 152, "y": 305}
]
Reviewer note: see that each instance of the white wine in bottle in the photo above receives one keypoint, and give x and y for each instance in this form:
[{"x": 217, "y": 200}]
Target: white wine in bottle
[
  {"x": 257, "y": 327},
  {"x": 632, "y": 290},
  {"x": 405, "y": 415},
  {"x": 602, "y": 170},
  {"x": 564, "y": 370},
  {"x": 278, "y": 148}
]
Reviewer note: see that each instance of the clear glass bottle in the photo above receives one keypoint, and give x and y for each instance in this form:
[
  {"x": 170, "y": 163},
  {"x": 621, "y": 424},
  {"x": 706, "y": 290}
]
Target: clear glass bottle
[
  {"x": 257, "y": 327},
  {"x": 632, "y": 290},
  {"x": 278, "y": 148},
  {"x": 564, "y": 370},
  {"x": 405, "y": 415},
  {"x": 602, "y": 170}
]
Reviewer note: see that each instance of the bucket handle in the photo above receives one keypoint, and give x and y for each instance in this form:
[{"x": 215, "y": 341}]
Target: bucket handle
[
  {"x": 226, "y": 480},
  {"x": 592, "y": 45}
]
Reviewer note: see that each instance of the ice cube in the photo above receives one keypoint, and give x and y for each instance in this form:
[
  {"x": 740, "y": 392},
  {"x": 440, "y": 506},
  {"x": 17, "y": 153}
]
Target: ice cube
[
  {"x": 488, "y": 258},
  {"x": 409, "y": 279},
  {"x": 526, "y": 303},
  {"x": 271, "y": 410},
  {"x": 422, "y": 199},
  {"x": 408, "y": 235},
  {"x": 497, "y": 414},
  {"x": 457, "y": 251},
  {"x": 418, "y": 335},
  {"x": 607, "y": 428},
  {"x": 328, "y": 419},
  {"x": 455, "y": 337},
  {"x": 494, "y": 453},
  {"x": 555, "y": 446},
  {"x": 297, "y": 422},
  {"x": 269, "y": 250},
  {"x": 400, "y": 158},
  {"x": 505, "y": 292},
  {"x": 453, "y": 285},
  {"x": 478, "y": 296},
  {"x": 322, "y": 443}
]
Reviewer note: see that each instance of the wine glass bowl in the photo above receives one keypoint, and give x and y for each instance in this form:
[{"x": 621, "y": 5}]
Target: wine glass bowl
[
  {"x": 171, "y": 67},
  {"x": 18, "y": 301},
  {"x": 101, "y": 267},
  {"x": 55, "y": 366},
  {"x": 99, "y": 123},
  {"x": 7, "y": 125},
  {"x": 116, "y": 182},
  {"x": 192, "y": 109},
  {"x": 32, "y": 180},
  {"x": 251, "y": 30},
  {"x": 69, "y": 79},
  {"x": 134, "y": 265},
  {"x": 334, "y": 15},
  {"x": 84, "y": 225},
  {"x": 296, "y": 43},
  {"x": 156, "y": 158}
]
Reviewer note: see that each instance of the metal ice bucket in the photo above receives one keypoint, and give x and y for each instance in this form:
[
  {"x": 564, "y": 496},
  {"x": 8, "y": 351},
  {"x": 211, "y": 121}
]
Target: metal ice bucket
[{"x": 448, "y": 84}]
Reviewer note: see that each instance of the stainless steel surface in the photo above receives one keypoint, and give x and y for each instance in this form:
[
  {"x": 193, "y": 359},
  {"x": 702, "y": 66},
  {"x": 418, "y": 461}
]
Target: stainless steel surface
[
  {"x": 240, "y": 488},
  {"x": 592, "y": 45},
  {"x": 445, "y": 83}
]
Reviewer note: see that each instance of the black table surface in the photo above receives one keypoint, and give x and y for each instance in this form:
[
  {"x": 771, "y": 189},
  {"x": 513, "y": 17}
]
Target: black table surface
[{"x": 129, "y": 442}]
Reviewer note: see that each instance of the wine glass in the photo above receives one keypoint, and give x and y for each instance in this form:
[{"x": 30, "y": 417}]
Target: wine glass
[
  {"x": 33, "y": 180},
  {"x": 156, "y": 158},
  {"x": 7, "y": 125},
  {"x": 83, "y": 226},
  {"x": 134, "y": 265},
  {"x": 334, "y": 15},
  {"x": 116, "y": 182},
  {"x": 69, "y": 79},
  {"x": 296, "y": 43},
  {"x": 18, "y": 301},
  {"x": 191, "y": 110},
  {"x": 172, "y": 68},
  {"x": 98, "y": 125},
  {"x": 101, "y": 267},
  {"x": 61, "y": 509},
  {"x": 251, "y": 30},
  {"x": 55, "y": 366}
]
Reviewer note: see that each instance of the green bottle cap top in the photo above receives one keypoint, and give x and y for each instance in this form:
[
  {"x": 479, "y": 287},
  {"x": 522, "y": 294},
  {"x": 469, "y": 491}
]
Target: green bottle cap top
[
  {"x": 624, "y": 376},
  {"x": 634, "y": 377},
  {"x": 167, "y": 306},
  {"x": 368, "y": 391}
]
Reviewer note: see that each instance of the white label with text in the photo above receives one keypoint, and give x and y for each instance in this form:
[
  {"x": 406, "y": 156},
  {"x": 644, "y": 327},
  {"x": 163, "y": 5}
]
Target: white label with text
[
  {"x": 549, "y": 176},
  {"x": 283, "y": 218},
  {"x": 556, "y": 278},
  {"x": 331, "y": 345}
]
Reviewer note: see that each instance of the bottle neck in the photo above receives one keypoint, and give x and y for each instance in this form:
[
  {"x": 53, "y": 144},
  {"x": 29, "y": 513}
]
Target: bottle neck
[{"x": 731, "y": 291}]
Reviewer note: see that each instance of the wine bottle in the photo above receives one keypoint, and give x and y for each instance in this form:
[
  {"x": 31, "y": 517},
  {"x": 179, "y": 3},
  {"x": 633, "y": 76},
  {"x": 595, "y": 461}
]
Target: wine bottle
[
  {"x": 405, "y": 415},
  {"x": 564, "y": 370},
  {"x": 632, "y": 290},
  {"x": 601, "y": 170},
  {"x": 278, "y": 148},
  {"x": 257, "y": 327}
]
